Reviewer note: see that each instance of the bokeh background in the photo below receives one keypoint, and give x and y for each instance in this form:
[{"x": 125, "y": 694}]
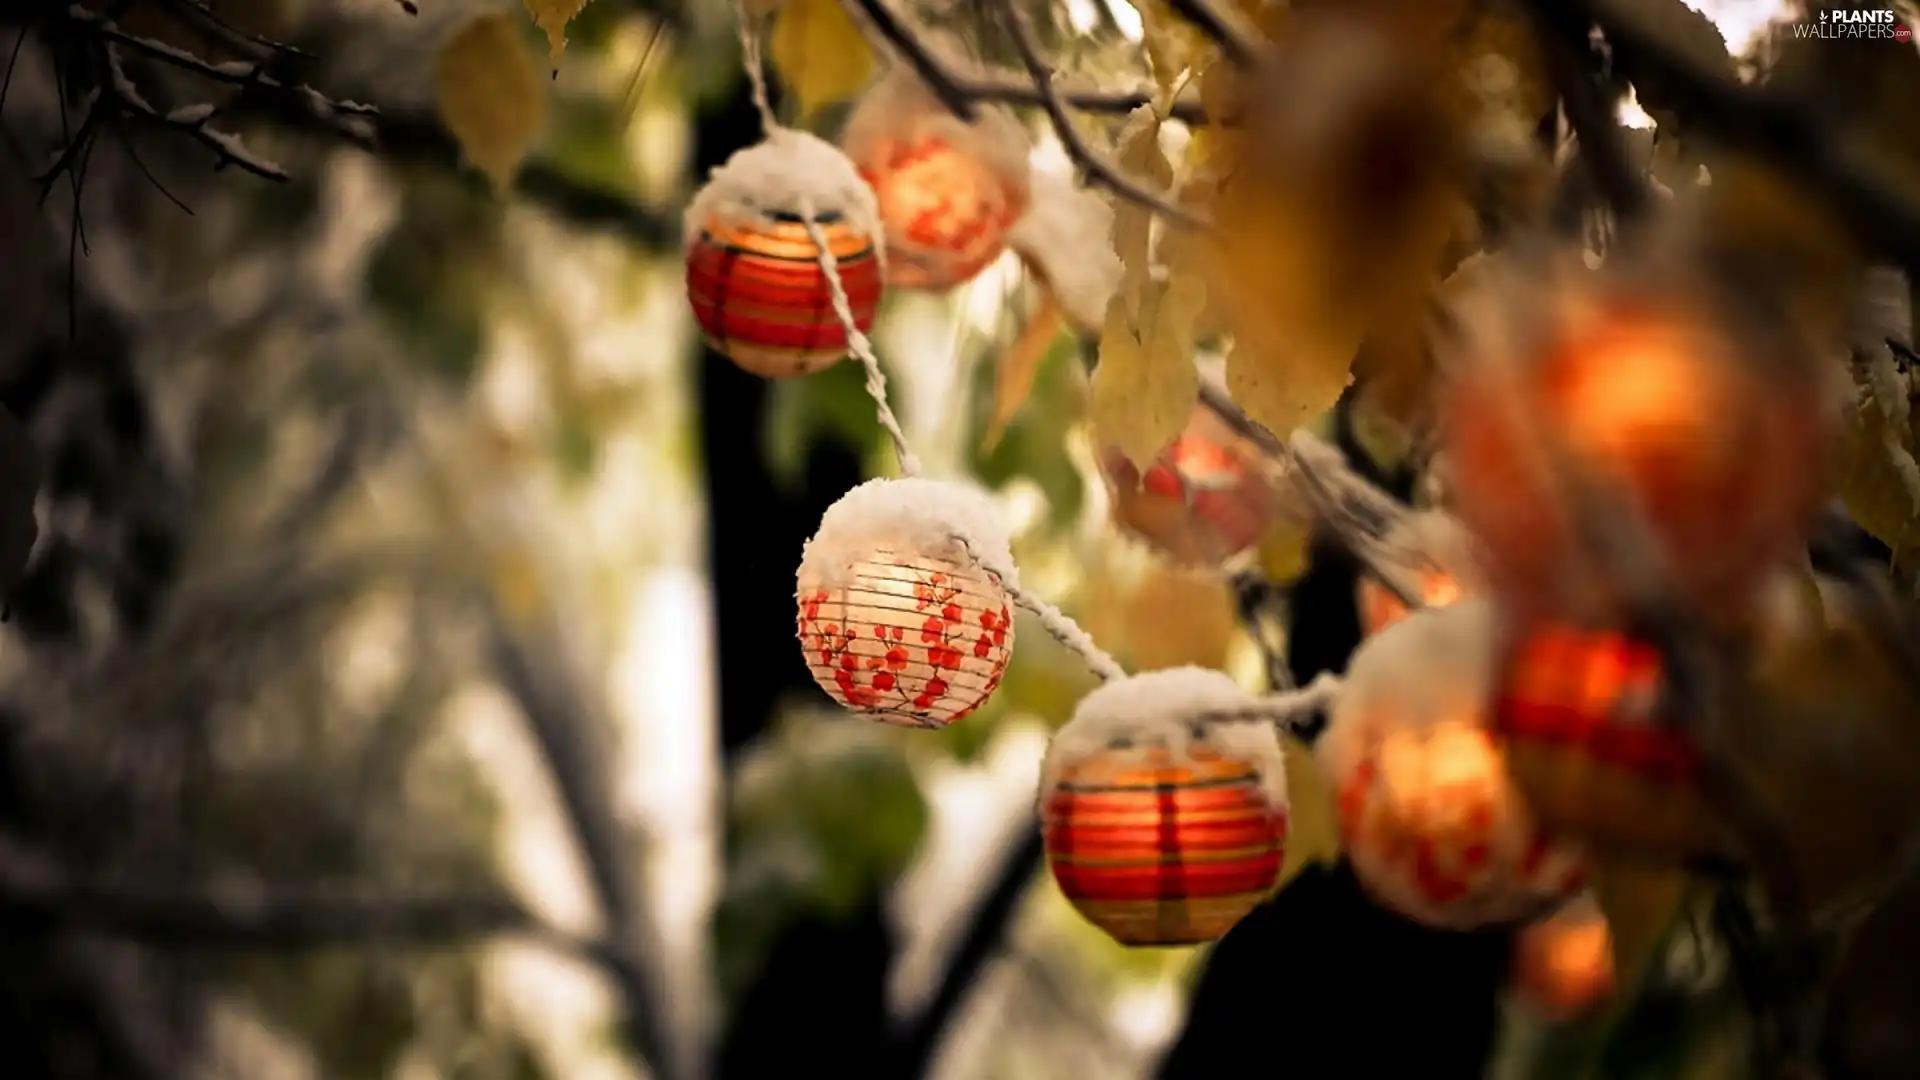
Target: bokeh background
[{"x": 407, "y": 567}]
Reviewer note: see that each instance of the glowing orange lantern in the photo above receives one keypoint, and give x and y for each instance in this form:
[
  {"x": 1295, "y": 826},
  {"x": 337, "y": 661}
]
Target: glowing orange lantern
[
  {"x": 1202, "y": 501},
  {"x": 1158, "y": 834},
  {"x": 1563, "y": 964},
  {"x": 1580, "y": 710},
  {"x": 948, "y": 191},
  {"x": 753, "y": 272},
  {"x": 1636, "y": 399},
  {"x": 1431, "y": 820},
  {"x": 903, "y": 614}
]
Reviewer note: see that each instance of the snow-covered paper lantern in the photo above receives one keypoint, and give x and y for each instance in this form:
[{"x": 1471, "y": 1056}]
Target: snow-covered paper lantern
[
  {"x": 1203, "y": 501},
  {"x": 753, "y": 271},
  {"x": 948, "y": 190},
  {"x": 1158, "y": 831},
  {"x": 905, "y": 610},
  {"x": 1429, "y": 815}
]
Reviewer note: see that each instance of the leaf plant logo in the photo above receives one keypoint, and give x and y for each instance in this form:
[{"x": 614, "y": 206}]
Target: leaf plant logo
[{"x": 1870, "y": 24}]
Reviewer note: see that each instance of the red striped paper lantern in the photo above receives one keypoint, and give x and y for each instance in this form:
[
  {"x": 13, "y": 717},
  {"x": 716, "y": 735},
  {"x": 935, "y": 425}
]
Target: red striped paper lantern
[
  {"x": 1579, "y": 712},
  {"x": 910, "y": 640},
  {"x": 1163, "y": 849},
  {"x": 1202, "y": 501},
  {"x": 762, "y": 299},
  {"x": 754, "y": 276}
]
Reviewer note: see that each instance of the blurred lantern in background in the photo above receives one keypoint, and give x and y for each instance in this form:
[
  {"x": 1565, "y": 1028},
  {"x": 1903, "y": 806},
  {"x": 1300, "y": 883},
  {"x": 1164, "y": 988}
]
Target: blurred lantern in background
[
  {"x": 1438, "y": 544},
  {"x": 948, "y": 190},
  {"x": 1430, "y": 818},
  {"x": 1158, "y": 831},
  {"x": 903, "y": 614},
  {"x": 1656, "y": 409},
  {"x": 753, "y": 271},
  {"x": 1563, "y": 964},
  {"x": 1580, "y": 715},
  {"x": 1204, "y": 500}
]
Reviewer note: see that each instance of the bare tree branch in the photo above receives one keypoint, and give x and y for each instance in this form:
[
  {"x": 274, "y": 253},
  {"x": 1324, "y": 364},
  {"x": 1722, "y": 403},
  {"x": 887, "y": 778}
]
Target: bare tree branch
[
  {"x": 1235, "y": 43},
  {"x": 1096, "y": 167},
  {"x": 1563, "y": 41},
  {"x": 1855, "y": 180},
  {"x": 560, "y": 725}
]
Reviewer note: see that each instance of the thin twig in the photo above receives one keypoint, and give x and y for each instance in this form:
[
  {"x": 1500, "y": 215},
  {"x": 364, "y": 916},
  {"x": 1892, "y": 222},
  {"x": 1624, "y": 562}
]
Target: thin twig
[
  {"x": 891, "y": 28},
  {"x": 1856, "y": 180},
  {"x": 1564, "y": 42},
  {"x": 1236, "y": 44},
  {"x": 1096, "y": 167}
]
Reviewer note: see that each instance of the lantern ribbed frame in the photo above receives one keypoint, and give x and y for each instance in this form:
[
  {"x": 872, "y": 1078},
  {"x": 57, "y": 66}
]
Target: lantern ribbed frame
[
  {"x": 761, "y": 298},
  {"x": 1452, "y": 848},
  {"x": 906, "y": 639},
  {"x": 946, "y": 213},
  {"x": 1159, "y": 849}
]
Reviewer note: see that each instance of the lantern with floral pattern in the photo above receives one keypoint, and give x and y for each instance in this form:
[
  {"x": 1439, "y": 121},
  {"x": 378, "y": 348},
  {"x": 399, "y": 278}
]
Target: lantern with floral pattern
[
  {"x": 948, "y": 190},
  {"x": 1429, "y": 815},
  {"x": 754, "y": 276},
  {"x": 904, "y": 612}
]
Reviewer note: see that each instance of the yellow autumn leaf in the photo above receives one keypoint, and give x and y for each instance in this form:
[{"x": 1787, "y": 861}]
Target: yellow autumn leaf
[
  {"x": 1140, "y": 156},
  {"x": 1145, "y": 384},
  {"x": 1173, "y": 44},
  {"x": 552, "y": 17},
  {"x": 1871, "y": 485},
  {"x": 1352, "y": 172},
  {"x": 1176, "y": 617},
  {"x": 1282, "y": 552},
  {"x": 1019, "y": 363},
  {"x": 1313, "y": 836},
  {"x": 491, "y": 95},
  {"x": 1640, "y": 901},
  {"x": 819, "y": 54}
]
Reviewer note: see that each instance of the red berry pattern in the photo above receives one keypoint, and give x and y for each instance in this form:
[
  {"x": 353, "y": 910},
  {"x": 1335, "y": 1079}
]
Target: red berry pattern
[{"x": 909, "y": 640}]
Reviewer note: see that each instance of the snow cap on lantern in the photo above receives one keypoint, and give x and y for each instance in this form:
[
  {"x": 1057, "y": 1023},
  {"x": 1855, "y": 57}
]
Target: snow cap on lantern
[
  {"x": 1159, "y": 831},
  {"x": 905, "y": 605},
  {"x": 1430, "y": 818},
  {"x": 753, "y": 272},
  {"x": 948, "y": 190}
]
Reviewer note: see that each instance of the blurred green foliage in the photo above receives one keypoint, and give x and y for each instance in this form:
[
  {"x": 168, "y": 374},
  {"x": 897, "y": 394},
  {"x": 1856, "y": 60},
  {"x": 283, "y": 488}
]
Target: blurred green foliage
[{"x": 1034, "y": 444}]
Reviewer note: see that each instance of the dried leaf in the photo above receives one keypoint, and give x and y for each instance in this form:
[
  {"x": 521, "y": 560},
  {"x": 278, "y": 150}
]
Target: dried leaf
[
  {"x": 552, "y": 17},
  {"x": 1352, "y": 173},
  {"x": 1176, "y": 617},
  {"x": 819, "y": 54},
  {"x": 1142, "y": 157},
  {"x": 1640, "y": 902},
  {"x": 1875, "y": 492},
  {"x": 1173, "y": 44},
  {"x": 1146, "y": 382},
  {"x": 1282, "y": 553},
  {"x": 1313, "y": 834},
  {"x": 491, "y": 95},
  {"x": 1020, "y": 362}
]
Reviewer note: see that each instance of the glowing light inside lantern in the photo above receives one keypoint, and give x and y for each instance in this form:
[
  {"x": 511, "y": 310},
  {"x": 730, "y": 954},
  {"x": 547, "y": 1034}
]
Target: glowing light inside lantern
[
  {"x": 912, "y": 640},
  {"x": 1563, "y": 964},
  {"x": 1436, "y": 831},
  {"x": 1381, "y": 608},
  {"x": 946, "y": 212},
  {"x": 1159, "y": 848},
  {"x": 1201, "y": 502}
]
